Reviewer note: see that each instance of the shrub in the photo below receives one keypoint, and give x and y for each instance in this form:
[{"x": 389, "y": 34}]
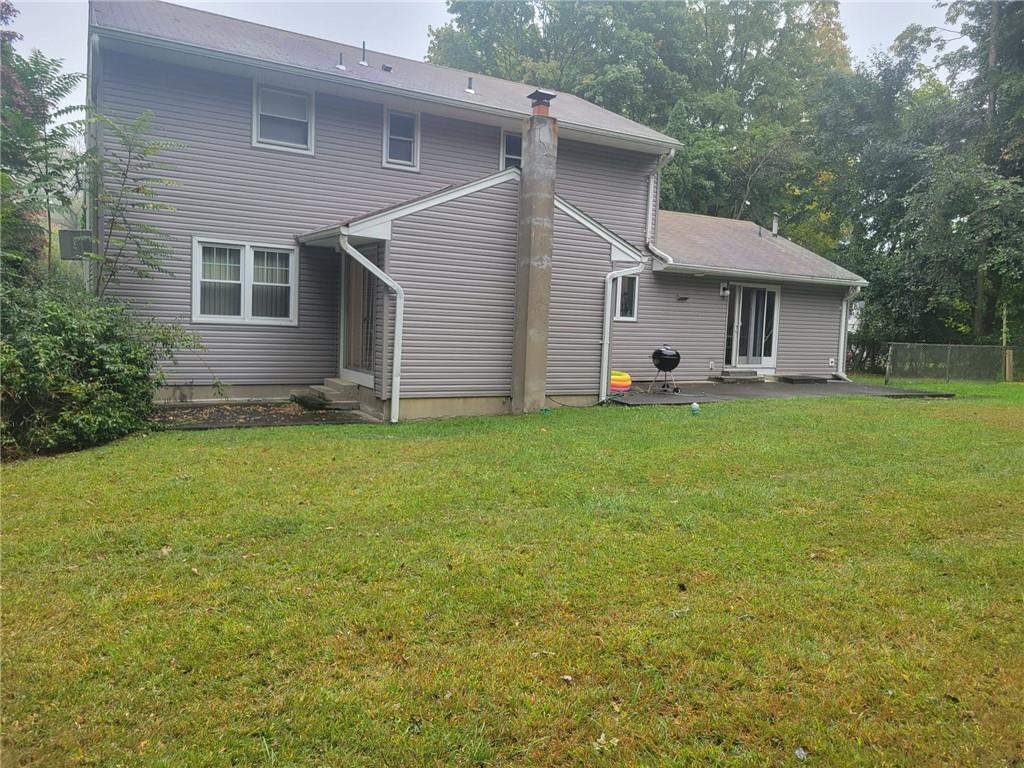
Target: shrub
[{"x": 78, "y": 370}]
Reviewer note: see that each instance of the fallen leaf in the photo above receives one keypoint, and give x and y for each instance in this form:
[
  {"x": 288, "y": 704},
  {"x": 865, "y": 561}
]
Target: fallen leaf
[
  {"x": 195, "y": 570},
  {"x": 165, "y": 550}
]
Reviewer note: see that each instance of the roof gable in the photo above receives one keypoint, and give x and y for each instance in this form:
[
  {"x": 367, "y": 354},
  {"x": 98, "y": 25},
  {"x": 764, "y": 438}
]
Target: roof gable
[{"x": 377, "y": 224}]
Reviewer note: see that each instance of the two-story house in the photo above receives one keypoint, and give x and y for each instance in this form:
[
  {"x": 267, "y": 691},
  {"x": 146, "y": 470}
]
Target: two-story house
[{"x": 395, "y": 232}]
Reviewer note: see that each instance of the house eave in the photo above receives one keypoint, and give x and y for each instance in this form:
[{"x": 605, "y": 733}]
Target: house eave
[
  {"x": 568, "y": 128},
  {"x": 699, "y": 270}
]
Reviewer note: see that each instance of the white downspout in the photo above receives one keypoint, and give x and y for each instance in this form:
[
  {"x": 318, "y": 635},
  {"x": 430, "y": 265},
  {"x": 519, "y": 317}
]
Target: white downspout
[
  {"x": 396, "y": 361},
  {"x": 652, "y": 207},
  {"x": 606, "y": 331},
  {"x": 843, "y": 330}
]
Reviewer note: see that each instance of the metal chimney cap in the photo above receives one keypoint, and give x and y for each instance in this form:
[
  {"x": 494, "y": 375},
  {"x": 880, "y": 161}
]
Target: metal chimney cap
[{"x": 540, "y": 97}]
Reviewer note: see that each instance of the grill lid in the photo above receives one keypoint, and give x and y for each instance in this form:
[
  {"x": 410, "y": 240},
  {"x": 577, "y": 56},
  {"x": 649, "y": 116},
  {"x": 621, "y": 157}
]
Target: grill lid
[{"x": 665, "y": 358}]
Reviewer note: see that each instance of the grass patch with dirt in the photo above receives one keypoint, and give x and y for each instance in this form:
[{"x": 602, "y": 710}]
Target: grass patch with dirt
[{"x": 830, "y": 581}]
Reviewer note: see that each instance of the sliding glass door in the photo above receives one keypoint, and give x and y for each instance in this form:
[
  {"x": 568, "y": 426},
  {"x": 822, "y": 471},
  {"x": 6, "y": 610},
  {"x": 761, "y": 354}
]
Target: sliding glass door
[{"x": 753, "y": 320}]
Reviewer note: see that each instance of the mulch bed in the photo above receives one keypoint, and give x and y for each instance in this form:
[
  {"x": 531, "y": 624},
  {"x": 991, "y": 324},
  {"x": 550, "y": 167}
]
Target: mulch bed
[{"x": 222, "y": 416}]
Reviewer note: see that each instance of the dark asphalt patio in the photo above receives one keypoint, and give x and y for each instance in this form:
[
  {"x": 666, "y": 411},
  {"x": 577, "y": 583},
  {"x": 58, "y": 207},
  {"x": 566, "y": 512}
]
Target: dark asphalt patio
[{"x": 714, "y": 392}]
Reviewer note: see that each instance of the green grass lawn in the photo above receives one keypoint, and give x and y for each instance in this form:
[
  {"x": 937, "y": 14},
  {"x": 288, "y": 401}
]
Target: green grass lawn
[{"x": 836, "y": 577}]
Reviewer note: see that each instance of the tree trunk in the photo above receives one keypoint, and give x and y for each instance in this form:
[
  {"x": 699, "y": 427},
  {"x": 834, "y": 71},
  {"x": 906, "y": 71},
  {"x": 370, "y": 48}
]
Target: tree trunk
[
  {"x": 980, "y": 308},
  {"x": 990, "y": 107},
  {"x": 979, "y": 304}
]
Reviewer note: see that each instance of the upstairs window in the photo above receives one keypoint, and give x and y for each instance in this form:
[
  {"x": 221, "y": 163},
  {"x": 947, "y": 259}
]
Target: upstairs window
[
  {"x": 625, "y": 308},
  {"x": 243, "y": 283},
  {"x": 283, "y": 119},
  {"x": 401, "y": 140},
  {"x": 511, "y": 150}
]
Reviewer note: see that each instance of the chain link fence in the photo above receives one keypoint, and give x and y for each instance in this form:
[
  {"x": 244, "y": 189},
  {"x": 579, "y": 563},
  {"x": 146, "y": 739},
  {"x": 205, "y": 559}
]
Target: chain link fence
[{"x": 954, "y": 361}]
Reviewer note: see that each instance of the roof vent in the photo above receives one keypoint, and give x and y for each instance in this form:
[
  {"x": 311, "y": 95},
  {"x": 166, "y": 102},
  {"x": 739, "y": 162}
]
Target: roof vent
[
  {"x": 469, "y": 85},
  {"x": 386, "y": 67},
  {"x": 362, "y": 61},
  {"x": 541, "y": 101},
  {"x": 341, "y": 62}
]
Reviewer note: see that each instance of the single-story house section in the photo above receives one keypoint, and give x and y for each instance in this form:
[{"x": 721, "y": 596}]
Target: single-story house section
[{"x": 730, "y": 295}]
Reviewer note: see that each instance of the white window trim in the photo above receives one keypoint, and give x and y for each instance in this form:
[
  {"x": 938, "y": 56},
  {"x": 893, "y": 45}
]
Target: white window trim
[
  {"x": 282, "y": 146},
  {"x": 386, "y": 134},
  {"x": 501, "y": 149},
  {"x": 636, "y": 299},
  {"x": 247, "y": 248}
]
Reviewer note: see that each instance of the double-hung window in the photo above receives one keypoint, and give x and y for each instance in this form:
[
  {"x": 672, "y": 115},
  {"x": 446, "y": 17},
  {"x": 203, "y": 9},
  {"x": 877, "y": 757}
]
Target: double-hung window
[
  {"x": 401, "y": 140},
  {"x": 511, "y": 150},
  {"x": 282, "y": 119},
  {"x": 244, "y": 283},
  {"x": 626, "y": 295}
]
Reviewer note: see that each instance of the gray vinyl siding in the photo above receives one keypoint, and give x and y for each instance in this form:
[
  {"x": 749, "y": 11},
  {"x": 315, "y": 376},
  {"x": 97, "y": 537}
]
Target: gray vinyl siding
[
  {"x": 580, "y": 261},
  {"x": 457, "y": 262},
  {"x": 695, "y": 327},
  {"x": 809, "y": 318},
  {"x": 608, "y": 184},
  {"x": 229, "y": 189}
]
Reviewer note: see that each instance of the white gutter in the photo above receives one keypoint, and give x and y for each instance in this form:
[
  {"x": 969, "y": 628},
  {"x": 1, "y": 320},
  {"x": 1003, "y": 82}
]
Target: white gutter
[
  {"x": 652, "y": 205},
  {"x": 606, "y": 331},
  {"x": 396, "y": 361},
  {"x": 703, "y": 269}
]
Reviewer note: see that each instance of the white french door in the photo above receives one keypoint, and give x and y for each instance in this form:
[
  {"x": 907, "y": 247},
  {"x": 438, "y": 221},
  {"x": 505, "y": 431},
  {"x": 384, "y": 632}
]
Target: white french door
[{"x": 752, "y": 335}]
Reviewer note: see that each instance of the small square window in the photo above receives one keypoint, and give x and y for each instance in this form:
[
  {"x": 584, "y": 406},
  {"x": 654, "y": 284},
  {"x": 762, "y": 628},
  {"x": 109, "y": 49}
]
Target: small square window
[
  {"x": 401, "y": 140},
  {"x": 283, "y": 119},
  {"x": 625, "y": 308}
]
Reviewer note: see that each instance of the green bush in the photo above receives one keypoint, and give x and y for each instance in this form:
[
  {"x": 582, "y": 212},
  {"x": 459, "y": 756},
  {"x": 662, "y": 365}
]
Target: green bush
[{"x": 77, "y": 370}]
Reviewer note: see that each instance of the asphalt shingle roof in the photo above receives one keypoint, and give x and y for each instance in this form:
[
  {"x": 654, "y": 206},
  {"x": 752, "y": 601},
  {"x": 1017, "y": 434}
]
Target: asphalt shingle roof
[
  {"x": 731, "y": 244},
  {"x": 211, "y": 31}
]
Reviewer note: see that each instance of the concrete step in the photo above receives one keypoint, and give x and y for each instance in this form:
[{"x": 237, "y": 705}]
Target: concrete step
[
  {"x": 739, "y": 373},
  {"x": 723, "y": 379},
  {"x": 341, "y": 405},
  {"x": 805, "y": 379},
  {"x": 347, "y": 389},
  {"x": 319, "y": 398},
  {"x": 321, "y": 391}
]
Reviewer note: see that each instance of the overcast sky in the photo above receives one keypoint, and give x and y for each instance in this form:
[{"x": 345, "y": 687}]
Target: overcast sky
[{"x": 58, "y": 29}]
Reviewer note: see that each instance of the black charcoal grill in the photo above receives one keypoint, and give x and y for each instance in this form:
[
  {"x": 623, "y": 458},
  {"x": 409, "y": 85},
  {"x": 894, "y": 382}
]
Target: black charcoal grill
[{"x": 666, "y": 360}]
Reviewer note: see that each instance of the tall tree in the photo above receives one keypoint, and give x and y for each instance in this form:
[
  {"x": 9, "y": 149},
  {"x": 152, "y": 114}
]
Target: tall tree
[
  {"x": 732, "y": 80},
  {"x": 37, "y": 149}
]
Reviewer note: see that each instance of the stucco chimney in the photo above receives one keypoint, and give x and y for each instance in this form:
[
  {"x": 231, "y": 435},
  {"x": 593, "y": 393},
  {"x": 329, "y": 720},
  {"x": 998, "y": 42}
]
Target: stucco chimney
[{"x": 533, "y": 267}]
